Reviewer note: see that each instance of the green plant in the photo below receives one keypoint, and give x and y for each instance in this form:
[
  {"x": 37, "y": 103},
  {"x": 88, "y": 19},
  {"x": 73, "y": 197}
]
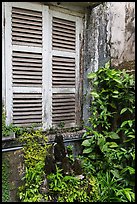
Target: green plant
[
  {"x": 109, "y": 140},
  {"x": 5, "y": 182},
  {"x": 30, "y": 192},
  {"x": 35, "y": 149},
  {"x": 35, "y": 146},
  {"x": 69, "y": 188},
  {"x": 8, "y": 130},
  {"x": 70, "y": 153},
  {"x": 111, "y": 189}
]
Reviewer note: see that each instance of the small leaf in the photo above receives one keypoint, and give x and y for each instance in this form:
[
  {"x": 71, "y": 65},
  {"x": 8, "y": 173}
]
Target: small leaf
[
  {"x": 113, "y": 135},
  {"x": 115, "y": 92},
  {"x": 112, "y": 144},
  {"x": 107, "y": 65},
  {"x": 124, "y": 123},
  {"x": 112, "y": 105},
  {"x": 91, "y": 75},
  {"x": 86, "y": 143},
  {"x": 115, "y": 96},
  {"x": 130, "y": 123},
  {"x": 131, "y": 111},
  {"x": 123, "y": 110},
  {"x": 95, "y": 94},
  {"x": 117, "y": 80},
  {"x": 87, "y": 151}
]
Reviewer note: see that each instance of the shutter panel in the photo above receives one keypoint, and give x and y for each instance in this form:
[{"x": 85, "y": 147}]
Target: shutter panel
[
  {"x": 26, "y": 36},
  {"x": 27, "y": 68},
  {"x": 65, "y": 69},
  {"x": 63, "y": 34},
  {"x": 26, "y": 27},
  {"x": 27, "y": 108},
  {"x": 63, "y": 108}
]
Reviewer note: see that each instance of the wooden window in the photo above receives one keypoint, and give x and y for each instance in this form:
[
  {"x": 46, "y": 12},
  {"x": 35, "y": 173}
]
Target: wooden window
[{"x": 42, "y": 49}]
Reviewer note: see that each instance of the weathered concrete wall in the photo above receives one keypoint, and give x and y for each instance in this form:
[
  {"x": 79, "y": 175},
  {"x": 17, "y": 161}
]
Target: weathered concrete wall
[
  {"x": 96, "y": 49},
  {"x": 109, "y": 34},
  {"x": 122, "y": 31},
  {"x": 15, "y": 174}
]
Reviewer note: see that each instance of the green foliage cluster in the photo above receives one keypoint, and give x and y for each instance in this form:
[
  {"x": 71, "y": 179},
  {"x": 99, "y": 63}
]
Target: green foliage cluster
[
  {"x": 70, "y": 188},
  {"x": 109, "y": 144},
  {"x": 108, "y": 159},
  {"x": 35, "y": 148},
  {"x": 5, "y": 182},
  {"x": 8, "y": 130}
]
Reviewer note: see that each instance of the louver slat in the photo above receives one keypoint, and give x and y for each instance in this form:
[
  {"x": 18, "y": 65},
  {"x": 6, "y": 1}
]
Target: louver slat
[
  {"x": 63, "y": 72},
  {"x": 26, "y": 69},
  {"x": 63, "y": 108},
  {"x": 27, "y": 108},
  {"x": 63, "y": 34},
  {"x": 26, "y": 27}
]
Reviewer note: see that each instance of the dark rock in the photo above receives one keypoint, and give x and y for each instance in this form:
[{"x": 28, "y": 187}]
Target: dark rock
[
  {"x": 59, "y": 148},
  {"x": 66, "y": 166},
  {"x": 77, "y": 167},
  {"x": 50, "y": 162}
]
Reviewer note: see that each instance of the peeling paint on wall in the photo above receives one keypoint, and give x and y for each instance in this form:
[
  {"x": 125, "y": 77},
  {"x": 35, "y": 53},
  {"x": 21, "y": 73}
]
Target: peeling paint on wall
[
  {"x": 109, "y": 34},
  {"x": 96, "y": 52},
  {"x": 122, "y": 20}
]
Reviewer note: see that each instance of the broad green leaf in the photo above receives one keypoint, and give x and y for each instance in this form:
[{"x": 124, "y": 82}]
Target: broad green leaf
[
  {"x": 131, "y": 111},
  {"x": 115, "y": 96},
  {"x": 112, "y": 144},
  {"x": 91, "y": 75},
  {"x": 130, "y": 123},
  {"x": 115, "y": 92},
  {"x": 133, "y": 196},
  {"x": 117, "y": 80},
  {"x": 95, "y": 94},
  {"x": 132, "y": 136},
  {"x": 87, "y": 151},
  {"x": 86, "y": 143},
  {"x": 128, "y": 168},
  {"x": 124, "y": 123},
  {"x": 105, "y": 148},
  {"x": 123, "y": 110},
  {"x": 101, "y": 141},
  {"x": 127, "y": 195},
  {"x": 113, "y": 71},
  {"x": 113, "y": 135}
]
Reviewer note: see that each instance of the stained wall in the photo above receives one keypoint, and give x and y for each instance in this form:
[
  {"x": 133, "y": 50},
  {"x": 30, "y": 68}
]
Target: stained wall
[{"x": 109, "y": 35}]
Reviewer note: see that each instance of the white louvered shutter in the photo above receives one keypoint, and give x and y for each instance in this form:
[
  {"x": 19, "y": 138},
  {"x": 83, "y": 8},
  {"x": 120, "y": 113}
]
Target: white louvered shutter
[
  {"x": 25, "y": 23},
  {"x": 65, "y": 69},
  {"x": 42, "y": 65}
]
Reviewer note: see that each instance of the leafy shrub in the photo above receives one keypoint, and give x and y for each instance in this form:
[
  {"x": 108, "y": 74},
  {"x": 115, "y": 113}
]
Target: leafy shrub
[
  {"x": 35, "y": 148},
  {"x": 8, "y": 130},
  {"x": 109, "y": 143},
  {"x": 70, "y": 188}
]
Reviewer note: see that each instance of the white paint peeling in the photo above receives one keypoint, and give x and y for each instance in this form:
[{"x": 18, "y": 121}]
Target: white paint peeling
[{"x": 121, "y": 48}]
